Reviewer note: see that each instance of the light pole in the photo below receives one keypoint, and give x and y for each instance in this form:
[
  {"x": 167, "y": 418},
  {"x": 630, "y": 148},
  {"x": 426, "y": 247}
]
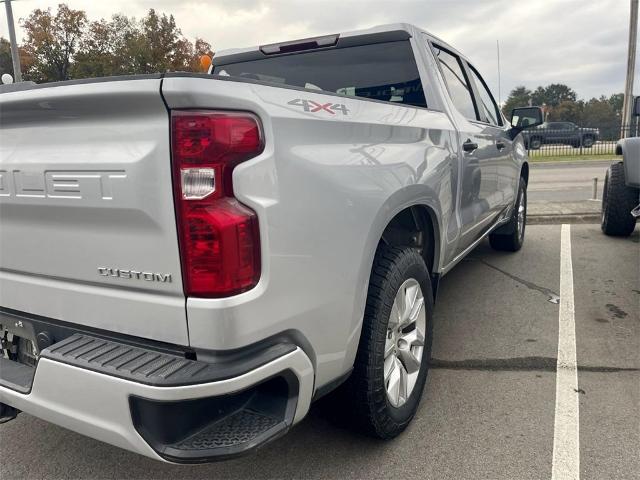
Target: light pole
[
  {"x": 625, "y": 128},
  {"x": 15, "y": 55}
]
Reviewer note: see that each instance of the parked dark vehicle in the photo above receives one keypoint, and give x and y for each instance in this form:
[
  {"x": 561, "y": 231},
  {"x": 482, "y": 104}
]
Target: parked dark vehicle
[{"x": 563, "y": 133}]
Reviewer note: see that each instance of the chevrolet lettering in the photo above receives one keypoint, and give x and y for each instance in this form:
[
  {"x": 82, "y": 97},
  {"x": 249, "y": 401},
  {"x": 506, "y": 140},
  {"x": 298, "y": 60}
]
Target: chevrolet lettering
[{"x": 59, "y": 184}]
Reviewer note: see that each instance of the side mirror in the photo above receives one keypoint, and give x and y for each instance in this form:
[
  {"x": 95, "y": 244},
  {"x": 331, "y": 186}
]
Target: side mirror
[
  {"x": 525, "y": 117},
  {"x": 636, "y": 107}
]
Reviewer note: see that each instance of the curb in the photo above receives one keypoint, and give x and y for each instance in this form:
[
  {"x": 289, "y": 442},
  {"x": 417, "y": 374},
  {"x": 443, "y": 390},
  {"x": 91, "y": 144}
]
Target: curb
[
  {"x": 563, "y": 218},
  {"x": 534, "y": 164}
]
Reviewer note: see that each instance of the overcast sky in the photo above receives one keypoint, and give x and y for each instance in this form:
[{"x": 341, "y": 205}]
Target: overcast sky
[{"x": 582, "y": 43}]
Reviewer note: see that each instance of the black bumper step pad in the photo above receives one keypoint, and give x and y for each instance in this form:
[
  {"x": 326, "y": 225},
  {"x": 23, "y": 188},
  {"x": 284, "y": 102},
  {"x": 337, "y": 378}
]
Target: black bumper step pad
[
  {"x": 153, "y": 367},
  {"x": 16, "y": 376},
  {"x": 234, "y": 431}
]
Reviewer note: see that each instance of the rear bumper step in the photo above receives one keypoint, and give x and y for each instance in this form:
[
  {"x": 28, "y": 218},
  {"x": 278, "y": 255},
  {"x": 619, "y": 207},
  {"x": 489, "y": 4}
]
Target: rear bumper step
[
  {"x": 153, "y": 367},
  {"x": 217, "y": 427},
  {"x": 16, "y": 376},
  {"x": 161, "y": 405}
]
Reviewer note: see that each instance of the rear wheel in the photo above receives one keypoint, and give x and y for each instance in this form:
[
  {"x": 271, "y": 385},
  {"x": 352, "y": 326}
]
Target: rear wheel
[
  {"x": 587, "y": 142},
  {"x": 535, "y": 143},
  {"x": 391, "y": 365},
  {"x": 618, "y": 200}
]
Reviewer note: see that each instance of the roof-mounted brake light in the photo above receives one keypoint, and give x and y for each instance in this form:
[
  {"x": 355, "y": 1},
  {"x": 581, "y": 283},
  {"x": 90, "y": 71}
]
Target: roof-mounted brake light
[{"x": 300, "y": 45}]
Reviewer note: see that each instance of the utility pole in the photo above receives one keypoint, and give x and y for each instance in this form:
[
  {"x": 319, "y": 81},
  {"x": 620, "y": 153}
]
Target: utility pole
[
  {"x": 499, "y": 80},
  {"x": 625, "y": 128},
  {"x": 15, "y": 55}
]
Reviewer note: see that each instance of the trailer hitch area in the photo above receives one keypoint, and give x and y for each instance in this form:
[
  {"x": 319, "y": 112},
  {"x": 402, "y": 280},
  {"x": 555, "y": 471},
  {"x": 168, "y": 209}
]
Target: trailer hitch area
[{"x": 635, "y": 213}]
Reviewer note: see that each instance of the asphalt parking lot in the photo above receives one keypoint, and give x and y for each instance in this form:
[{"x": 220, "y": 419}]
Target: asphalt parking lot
[
  {"x": 489, "y": 410},
  {"x": 566, "y": 181}
]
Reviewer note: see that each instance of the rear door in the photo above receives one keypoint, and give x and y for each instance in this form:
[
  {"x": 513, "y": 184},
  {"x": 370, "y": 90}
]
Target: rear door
[
  {"x": 479, "y": 193},
  {"x": 507, "y": 169},
  {"x": 555, "y": 132},
  {"x": 88, "y": 230},
  {"x": 571, "y": 133}
]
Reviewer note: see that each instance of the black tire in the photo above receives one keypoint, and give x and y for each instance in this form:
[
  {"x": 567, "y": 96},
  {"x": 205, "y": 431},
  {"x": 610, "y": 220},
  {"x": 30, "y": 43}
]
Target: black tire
[
  {"x": 618, "y": 200},
  {"x": 365, "y": 391},
  {"x": 510, "y": 237},
  {"x": 535, "y": 143},
  {"x": 587, "y": 142}
]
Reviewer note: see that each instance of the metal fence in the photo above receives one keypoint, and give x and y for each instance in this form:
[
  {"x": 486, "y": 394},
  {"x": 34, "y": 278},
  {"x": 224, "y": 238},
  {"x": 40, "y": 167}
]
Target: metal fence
[{"x": 559, "y": 139}]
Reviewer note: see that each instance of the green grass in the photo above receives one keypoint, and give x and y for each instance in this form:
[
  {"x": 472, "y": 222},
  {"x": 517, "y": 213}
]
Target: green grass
[{"x": 572, "y": 158}]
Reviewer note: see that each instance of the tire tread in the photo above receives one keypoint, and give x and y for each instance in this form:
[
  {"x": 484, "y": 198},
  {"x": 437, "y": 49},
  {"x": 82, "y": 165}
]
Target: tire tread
[
  {"x": 367, "y": 398},
  {"x": 509, "y": 241},
  {"x": 617, "y": 202}
]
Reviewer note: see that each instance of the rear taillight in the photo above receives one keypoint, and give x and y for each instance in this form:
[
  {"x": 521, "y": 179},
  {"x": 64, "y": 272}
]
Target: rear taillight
[{"x": 219, "y": 237}]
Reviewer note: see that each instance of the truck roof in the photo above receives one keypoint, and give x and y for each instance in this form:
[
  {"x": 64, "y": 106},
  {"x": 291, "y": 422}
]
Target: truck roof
[{"x": 412, "y": 30}]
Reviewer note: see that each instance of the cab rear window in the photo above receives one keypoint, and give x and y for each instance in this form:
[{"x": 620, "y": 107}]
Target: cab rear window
[{"x": 382, "y": 71}]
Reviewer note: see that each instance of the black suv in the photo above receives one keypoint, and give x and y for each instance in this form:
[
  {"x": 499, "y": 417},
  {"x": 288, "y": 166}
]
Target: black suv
[{"x": 563, "y": 133}]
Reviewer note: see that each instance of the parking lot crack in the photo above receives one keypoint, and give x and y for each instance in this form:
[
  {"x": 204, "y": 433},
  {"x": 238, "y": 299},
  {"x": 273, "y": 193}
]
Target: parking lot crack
[
  {"x": 552, "y": 296},
  {"x": 607, "y": 369},
  {"x": 525, "y": 364},
  {"x": 546, "y": 364}
]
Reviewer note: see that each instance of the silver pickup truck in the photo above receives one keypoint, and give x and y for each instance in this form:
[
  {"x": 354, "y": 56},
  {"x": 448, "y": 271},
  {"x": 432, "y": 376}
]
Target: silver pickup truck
[{"x": 187, "y": 261}]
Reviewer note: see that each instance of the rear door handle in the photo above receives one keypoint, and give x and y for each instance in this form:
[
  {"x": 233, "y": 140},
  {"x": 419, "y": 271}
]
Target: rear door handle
[
  {"x": 500, "y": 145},
  {"x": 469, "y": 146}
]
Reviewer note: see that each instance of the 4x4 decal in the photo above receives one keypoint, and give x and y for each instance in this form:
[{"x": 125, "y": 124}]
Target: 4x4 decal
[{"x": 311, "y": 106}]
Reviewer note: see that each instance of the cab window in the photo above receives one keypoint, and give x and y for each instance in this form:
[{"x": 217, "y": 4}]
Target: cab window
[
  {"x": 489, "y": 111},
  {"x": 381, "y": 71}
]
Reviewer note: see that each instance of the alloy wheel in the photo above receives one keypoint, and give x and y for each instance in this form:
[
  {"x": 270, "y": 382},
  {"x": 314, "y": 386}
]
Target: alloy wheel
[
  {"x": 521, "y": 215},
  {"x": 404, "y": 345}
]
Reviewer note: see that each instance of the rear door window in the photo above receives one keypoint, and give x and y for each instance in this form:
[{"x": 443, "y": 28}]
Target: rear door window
[
  {"x": 489, "y": 111},
  {"x": 457, "y": 82},
  {"x": 382, "y": 71}
]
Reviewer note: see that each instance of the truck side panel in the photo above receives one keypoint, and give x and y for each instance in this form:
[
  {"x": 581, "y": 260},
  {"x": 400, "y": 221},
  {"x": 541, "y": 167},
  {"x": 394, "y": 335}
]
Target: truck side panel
[{"x": 324, "y": 189}]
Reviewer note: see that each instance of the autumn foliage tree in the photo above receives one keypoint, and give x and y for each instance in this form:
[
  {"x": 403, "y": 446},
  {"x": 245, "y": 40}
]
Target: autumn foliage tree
[
  {"x": 52, "y": 42},
  {"x": 65, "y": 44},
  {"x": 5, "y": 56}
]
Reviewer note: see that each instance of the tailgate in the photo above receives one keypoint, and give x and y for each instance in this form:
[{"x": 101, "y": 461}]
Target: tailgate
[{"x": 87, "y": 222}]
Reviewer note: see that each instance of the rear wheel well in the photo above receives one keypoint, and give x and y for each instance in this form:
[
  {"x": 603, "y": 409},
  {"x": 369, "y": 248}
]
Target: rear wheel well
[{"x": 413, "y": 227}]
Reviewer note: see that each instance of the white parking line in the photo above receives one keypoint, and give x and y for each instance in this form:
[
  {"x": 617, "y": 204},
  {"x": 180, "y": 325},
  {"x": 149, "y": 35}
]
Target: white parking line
[{"x": 566, "y": 432}]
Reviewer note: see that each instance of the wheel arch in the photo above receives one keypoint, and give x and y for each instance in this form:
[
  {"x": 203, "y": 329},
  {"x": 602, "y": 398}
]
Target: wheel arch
[
  {"x": 413, "y": 202},
  {"x": 415, "y": 226}
]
